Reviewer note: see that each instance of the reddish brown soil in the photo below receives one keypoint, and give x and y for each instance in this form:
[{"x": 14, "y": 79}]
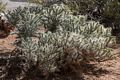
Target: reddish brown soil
[
  {"x": 108, "y": 70},
  {"x": 6, "y": 43}
]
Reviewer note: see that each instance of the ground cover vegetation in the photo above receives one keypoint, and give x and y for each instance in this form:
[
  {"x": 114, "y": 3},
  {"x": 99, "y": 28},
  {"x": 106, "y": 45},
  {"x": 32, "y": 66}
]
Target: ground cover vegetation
[{"x": 70, "y": 39}]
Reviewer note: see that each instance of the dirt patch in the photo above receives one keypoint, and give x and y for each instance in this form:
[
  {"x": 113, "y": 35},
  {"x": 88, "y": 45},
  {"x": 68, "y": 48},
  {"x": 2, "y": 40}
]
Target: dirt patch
[
  {"x": 108, "y": 70},
  {"x": 6, "y": 43}
]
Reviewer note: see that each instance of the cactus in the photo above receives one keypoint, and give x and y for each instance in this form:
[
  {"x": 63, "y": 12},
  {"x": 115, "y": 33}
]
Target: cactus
[{"x": 73, "y": 36}]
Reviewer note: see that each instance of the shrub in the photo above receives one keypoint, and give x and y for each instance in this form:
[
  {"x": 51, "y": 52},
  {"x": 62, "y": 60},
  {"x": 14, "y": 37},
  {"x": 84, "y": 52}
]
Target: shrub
[
  {"x": 46, "y": 3},
  {"x": 105, "y": 11},
  {"x": 74, "y": 39},
  {"x": 2, "y": 6},
  {"x": 36, "y": 1}
]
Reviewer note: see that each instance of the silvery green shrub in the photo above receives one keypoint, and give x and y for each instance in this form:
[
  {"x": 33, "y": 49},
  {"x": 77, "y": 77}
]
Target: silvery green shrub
[
  {"x": 73, "y": 35},
  {"x": 2, "y": 6}
]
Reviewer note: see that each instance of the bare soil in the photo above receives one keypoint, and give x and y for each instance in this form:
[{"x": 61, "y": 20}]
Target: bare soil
[
  {"x": 108, "y": 70},
  {"x": 6, "y": 43}
]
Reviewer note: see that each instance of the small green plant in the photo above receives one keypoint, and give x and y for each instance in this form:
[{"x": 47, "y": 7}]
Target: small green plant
[
  {"x": 36, "y": 1},
  {"x": 2, "y": 6}
]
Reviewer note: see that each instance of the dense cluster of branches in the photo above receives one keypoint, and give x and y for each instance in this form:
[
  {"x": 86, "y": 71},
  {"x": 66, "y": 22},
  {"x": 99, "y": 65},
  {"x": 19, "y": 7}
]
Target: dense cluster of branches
[
  {"x": 66, "y": 36},
  {"x": 107, "y": 12}
]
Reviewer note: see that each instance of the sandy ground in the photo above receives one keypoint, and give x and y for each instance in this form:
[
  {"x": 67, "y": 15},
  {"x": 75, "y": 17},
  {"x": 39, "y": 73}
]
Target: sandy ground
[
  {"x": 6, "y": 43},
  {"x": 12, "y": 4},
  {"x": 108, "y": 70}
]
